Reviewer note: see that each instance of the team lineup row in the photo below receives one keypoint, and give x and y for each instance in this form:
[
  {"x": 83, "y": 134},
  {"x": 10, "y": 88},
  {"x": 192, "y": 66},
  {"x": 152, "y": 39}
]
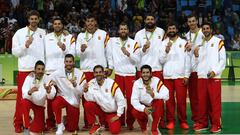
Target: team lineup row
[{"x": 194, "y": 65}]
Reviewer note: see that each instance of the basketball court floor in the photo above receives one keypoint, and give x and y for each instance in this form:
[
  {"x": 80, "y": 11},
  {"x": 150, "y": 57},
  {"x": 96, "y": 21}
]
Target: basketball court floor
[{"x": 230, "y": 117}]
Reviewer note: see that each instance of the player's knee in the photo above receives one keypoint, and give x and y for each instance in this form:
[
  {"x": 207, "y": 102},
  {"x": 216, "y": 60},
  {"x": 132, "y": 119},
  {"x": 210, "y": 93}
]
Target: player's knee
[{"x": 115, "y": 130}]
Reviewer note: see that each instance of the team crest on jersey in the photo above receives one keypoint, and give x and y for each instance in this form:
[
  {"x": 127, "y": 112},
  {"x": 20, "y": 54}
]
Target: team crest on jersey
[
  {"x": 64, "y": 40},
  {"x": 128, "y": 45},
  {"x": 211, "y": 45},
  {"x": 159, "y": 37},
  {"x": 106, "y": 90},
  {"x": 180, "y": 46},
  {"x": 99, "y": 37}
]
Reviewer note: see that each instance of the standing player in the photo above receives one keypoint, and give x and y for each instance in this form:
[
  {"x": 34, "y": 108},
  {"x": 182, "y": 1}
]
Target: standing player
[
  {"x": 176, "y": 71},
  {"x": 105, "y": 100},
  {"x": 210, "y": 60},
  {"x": 57, "y": 45},
  {"x": 123, "y": 56},
  {"x": 91, "y": 49},
  {"x": 148, "y": 91},
  {"x": 150, "y": 40},
  {"x": 36, "y": 89},
  {"x": 28, "y": 46},
  {"x": 69, "y": 81},
  {"x": 194, "y": 36}
]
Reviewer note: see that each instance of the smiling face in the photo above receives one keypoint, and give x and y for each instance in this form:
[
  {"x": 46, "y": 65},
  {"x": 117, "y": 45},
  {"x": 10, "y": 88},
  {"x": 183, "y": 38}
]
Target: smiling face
[
  {"x": 57, "y": 26},
  {"x": 146, "y": 74},
  {"x": 150, "y": 22},
  {"x": 123, "y": 31},
  {"x": 99, "y": 74},
  {"x": 207, "y": 31},
  {"x": 192, "y": 22},
  {"x": 91, "y": 23},
  {"x": 39, "y": 71},
  {"x": 69, "y": 63},
  {"x": 33, "y": 20},
  {"x": 172, "y": 31}
]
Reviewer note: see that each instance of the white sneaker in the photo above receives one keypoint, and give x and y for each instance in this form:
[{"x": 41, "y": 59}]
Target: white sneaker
[{"x": 60, "y": 129}]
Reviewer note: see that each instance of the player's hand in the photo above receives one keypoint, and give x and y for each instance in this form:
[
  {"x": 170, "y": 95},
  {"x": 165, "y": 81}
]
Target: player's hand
[
  {"x": 51, "y": 83},
  {"x": 29, "y": 42},
  {"x": 74, "y": 83},
  {"x": 150, "y": 91},
  {"x": 211, "y": 74},
  {"x": 83, "y": 47},
  {"x": 31, "y": 74},
  {"x": 47, "y": 88},
  {"x": 108, "y": 72},
  {"x": 148, "y": 110},
  {"x": 125, "y": 52},
  {"x": 185, "y": 81},
  {"x": 188, "y": 46},
  {"x": 85, "y": 87},
  {"x": 196, "y": 52},
  {"x": 114, "y": 118},
  {"x": 62, "y": 46},
  {"x": 32, "y": 90},
  {"x": 146, "y": 46},
  {"x": 168, "y": 47}
]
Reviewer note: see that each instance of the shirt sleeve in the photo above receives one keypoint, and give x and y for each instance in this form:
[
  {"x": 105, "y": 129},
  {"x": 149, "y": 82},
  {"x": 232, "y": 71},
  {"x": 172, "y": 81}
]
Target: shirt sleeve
[
  {"x": 135, "y": 99},
  {"x": 18, "y": 49},
  {"x": 26, "y": 87},
  {"x": 135, "y": 55},
  {"x": 109, "y": 54},
  {"x": 222, "y": 59},
  {"x": 121, "y": 104}
]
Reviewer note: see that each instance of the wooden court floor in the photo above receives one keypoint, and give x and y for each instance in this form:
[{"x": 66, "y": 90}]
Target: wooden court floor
[{"x": 230, "y": 117}]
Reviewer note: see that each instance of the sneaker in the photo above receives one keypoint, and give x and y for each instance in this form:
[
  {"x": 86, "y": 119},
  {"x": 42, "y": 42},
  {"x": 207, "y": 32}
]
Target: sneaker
[
  {"x": 156, "y": 133},
  {"x": 170, "y": 125},
  {"x": 199, "y": 127},
  {"x": 60, "y": 129},
  {"x": 215, "y": 129},
  {"x": 94, "y": 129},
  {"x": 75, "y": 132},
  {"x": 26, "y": 131},
  {"x": 184, "y": 126}
]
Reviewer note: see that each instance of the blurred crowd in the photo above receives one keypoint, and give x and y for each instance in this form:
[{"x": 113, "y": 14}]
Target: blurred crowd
[{"x": 224, "y": 14}]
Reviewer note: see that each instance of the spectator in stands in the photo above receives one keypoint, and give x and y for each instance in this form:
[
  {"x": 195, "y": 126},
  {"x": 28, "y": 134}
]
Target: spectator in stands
[
  {"x": 3, "y": 35},
  {"x": 218, "y": 34},
  {"x": 236, "y": 42}
]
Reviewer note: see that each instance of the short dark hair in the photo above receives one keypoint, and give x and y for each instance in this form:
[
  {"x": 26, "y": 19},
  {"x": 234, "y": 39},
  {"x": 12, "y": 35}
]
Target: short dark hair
[
  {"x": 149, "y": 14},
  {"x": 172, "y": 23},
  {"x": 207, "y": 23},
  {"x": 191, "y": 15},
  {"x": 39, "y": 62},
  {"x": 98, "y": 66},
  {"x": 146, "y": 67},
  {"x": 123, "y": 24},
  {"x": 57, "y": 18},
  {"x": 33, "y": 12},
  {"x": 69, "y": 56},
  {"x": 89, "y": 16}
]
